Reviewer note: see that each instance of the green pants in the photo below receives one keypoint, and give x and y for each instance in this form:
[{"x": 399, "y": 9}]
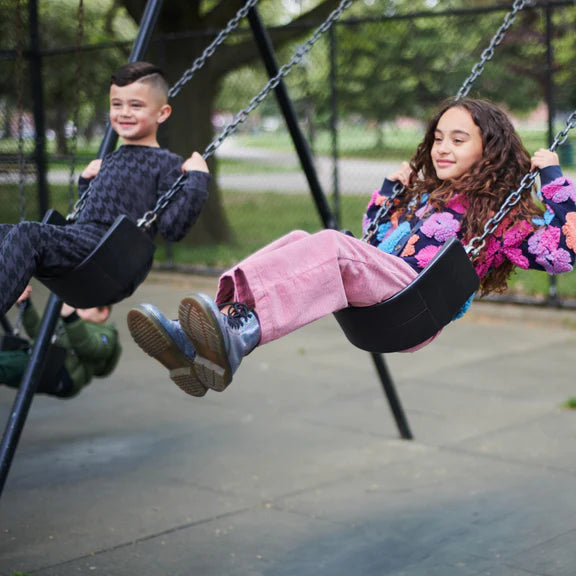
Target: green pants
[
  {"x": 54, "y": 379},
  {"x": 12, "y": 366}
]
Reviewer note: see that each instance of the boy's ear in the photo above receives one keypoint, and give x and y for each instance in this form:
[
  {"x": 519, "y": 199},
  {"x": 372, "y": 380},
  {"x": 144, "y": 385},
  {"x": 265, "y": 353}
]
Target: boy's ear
[{"x": 164, "y": 114}]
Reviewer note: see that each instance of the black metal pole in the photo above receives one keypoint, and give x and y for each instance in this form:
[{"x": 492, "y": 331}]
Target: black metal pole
[
  {"x": 334, "y": 127},
  {"x": 33, "y": 371},
  {"x": 38, "y": 106},
  {"x": 267, "y": 52},
  {"x": 28, "y": 386},
  {"x": 393, "y": 400}
]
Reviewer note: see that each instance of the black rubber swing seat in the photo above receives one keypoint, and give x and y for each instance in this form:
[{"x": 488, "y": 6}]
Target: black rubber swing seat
[
  {"x": 417, "y": 312},
  {"x": 112, "y": 272}
]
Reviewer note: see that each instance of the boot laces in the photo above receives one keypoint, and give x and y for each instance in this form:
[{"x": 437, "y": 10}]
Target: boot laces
[{"x": 238, "y": 314}]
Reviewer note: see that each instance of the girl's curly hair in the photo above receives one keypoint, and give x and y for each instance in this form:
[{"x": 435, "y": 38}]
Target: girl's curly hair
[{"x": 485, "y": 187}]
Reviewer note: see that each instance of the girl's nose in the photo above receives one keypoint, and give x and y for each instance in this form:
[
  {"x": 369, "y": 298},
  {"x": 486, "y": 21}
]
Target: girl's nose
[{"x": 443, "y": 147}]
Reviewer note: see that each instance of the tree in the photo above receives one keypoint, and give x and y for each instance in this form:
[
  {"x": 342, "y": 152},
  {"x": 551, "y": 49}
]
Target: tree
[{"x": 190, "y": 127}]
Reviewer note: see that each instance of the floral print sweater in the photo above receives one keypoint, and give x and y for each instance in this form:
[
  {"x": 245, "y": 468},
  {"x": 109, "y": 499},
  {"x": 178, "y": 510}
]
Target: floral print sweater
[{"x": 547, "y": 243}]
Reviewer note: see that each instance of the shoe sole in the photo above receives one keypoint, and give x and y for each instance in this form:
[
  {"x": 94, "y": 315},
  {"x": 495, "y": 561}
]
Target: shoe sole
[
  {"x": 211, "y": 362},
  {"x": 153, "y": 339}
]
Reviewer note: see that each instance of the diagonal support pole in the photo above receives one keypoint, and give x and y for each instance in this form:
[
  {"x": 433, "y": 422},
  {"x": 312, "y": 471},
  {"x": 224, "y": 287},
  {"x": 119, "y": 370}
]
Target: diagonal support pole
[
  {"x": 33, "y": 371},
  {"x": 268, "y": 56}
]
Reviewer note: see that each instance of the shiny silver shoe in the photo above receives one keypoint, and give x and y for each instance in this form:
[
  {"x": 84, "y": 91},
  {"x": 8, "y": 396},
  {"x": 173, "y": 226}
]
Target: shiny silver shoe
[
  {"x": 220, "y": 340},
  {"x": 164, "y": 340}
]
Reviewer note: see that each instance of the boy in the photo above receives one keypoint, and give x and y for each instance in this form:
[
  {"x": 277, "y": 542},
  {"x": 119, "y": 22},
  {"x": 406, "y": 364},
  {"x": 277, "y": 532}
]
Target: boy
[
  {"x": 92, "y": 349},
  {"x": 128, "y": 181}
]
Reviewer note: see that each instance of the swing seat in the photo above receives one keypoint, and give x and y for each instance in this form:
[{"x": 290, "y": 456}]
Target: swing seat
[
  {"x": 112, "y": 272},
  {"x": 419, "y": 310}
]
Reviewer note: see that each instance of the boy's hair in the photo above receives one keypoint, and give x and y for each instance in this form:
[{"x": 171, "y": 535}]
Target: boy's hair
[{"x": 141, "y": 72}]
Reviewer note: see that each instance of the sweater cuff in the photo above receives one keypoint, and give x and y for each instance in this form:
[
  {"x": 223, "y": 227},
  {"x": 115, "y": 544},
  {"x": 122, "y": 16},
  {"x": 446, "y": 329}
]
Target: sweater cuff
[{"x": 549, "y": 174}]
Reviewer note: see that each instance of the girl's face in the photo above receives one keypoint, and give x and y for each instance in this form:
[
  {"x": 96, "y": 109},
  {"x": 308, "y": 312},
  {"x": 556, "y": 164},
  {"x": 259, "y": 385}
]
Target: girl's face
[
  {"x": 457, "y": 144},
  {"x": 136, "y": 110}
]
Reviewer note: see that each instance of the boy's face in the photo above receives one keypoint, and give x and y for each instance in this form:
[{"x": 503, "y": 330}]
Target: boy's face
[{"x": 136, "y": 110}]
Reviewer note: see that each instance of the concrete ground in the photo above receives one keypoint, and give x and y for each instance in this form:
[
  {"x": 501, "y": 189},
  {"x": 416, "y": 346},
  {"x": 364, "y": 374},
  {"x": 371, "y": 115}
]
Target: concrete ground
[{"x": 297, "y": 469}]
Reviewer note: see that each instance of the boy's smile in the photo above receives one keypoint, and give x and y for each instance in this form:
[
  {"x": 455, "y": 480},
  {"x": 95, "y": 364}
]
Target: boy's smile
[{"x": 136, "y": 110}]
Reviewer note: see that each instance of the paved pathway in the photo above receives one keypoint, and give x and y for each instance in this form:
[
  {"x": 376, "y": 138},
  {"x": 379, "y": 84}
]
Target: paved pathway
[{"x": 297, "y": 469}]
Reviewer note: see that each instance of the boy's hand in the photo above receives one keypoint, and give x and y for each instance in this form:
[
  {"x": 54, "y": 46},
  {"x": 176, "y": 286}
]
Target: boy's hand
[
  {"x": 25, "y": 295},
  {"x": 402, "y": 175},
  {"x": 66, "y": 310},
  {"x": 92, "y": 169},
  {"x": 195, "y": 162},
  {"x": 543, "y": 158}
]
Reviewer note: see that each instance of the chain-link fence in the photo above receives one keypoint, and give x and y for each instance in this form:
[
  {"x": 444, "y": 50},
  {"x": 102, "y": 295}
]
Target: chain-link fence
[{"x": 361, "y": 96}]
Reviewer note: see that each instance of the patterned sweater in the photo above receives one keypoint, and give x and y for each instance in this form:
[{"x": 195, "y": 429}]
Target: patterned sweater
[
  {"x": 547, "y": 243},
  {"x": 130, "y": 181}
]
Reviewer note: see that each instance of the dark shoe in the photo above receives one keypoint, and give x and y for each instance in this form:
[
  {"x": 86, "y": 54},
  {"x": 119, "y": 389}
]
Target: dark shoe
[
  {"x": 221, "y": 340},
  {"x": 164, "y": 340}
]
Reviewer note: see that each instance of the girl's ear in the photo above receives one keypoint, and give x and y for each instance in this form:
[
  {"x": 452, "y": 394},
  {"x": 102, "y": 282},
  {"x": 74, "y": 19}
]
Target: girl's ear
[{"x": 164, "y": 113}]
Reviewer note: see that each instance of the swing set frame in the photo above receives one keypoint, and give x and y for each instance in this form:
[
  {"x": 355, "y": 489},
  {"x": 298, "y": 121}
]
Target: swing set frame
[{"x": 24, "y": 397}]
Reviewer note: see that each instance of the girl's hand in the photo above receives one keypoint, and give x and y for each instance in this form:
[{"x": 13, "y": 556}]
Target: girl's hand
[
  {"x": 543, "y": 158},
  {"x": 195, "y": 162},
  {"x": 92, "y": 169},
  {"x": 402, "y": 175}
]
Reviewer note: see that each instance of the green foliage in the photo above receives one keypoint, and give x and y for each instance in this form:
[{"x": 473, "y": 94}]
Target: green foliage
[{"x": 570, "y": 403}]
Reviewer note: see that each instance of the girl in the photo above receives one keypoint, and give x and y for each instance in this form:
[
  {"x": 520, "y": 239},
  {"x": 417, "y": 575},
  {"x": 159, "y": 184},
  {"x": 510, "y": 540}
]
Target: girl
[{"x": 468, "y": 163}]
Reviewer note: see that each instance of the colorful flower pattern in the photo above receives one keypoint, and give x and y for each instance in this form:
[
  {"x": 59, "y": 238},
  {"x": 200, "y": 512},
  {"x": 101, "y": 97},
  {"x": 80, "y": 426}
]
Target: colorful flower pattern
[{"x": 547, "y": 243}]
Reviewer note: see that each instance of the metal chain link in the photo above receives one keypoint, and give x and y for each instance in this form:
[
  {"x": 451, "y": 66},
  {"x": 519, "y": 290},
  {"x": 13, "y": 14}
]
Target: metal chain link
[
  {"x": 297, "y": 57},
  {"x": 20, "y": 96},
  {"x": 76, "y": 112},
  {"x": 477, "y": 70},
  {"x": 241, "y": 117},
  {"x": 488, "y": 53},
  {"x": 476, "y": 244},
  {"x": 382, "y": 212},
  {"x": 209, "y": 51}
]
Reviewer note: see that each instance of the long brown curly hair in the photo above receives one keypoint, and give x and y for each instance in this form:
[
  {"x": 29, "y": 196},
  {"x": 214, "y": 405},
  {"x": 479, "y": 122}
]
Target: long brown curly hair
[{"x": 484, "y": 188}]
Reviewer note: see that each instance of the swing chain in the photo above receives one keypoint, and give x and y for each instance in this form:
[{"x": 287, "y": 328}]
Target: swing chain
[
  {"x": 209, "y": 51},
  {"x": 297, "y": 57},
  {"x": 76, "y": 110},
  {"x": 488, "y": 53},
  {"x": 382, "y": 212},
  {"x": 20, "y": 96},
  {"x": 477, "y": 244},
  {"x": 150, "y": 216}
]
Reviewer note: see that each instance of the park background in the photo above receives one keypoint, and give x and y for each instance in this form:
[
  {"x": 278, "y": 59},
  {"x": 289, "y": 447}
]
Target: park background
[{"x": 361, "y": 95}]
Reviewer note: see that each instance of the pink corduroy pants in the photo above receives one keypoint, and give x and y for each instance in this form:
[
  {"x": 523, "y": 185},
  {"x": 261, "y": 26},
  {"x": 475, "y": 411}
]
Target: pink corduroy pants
[{"x": 302, "y": 277}]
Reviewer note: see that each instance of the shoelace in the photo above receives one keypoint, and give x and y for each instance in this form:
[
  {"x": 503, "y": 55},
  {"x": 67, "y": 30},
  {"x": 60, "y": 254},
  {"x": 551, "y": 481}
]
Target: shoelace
[{"x": 238, "y": 313}]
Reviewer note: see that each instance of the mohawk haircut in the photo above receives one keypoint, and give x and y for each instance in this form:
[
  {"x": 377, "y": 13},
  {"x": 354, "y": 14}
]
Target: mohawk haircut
[{"x": 140, "y": 72}]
